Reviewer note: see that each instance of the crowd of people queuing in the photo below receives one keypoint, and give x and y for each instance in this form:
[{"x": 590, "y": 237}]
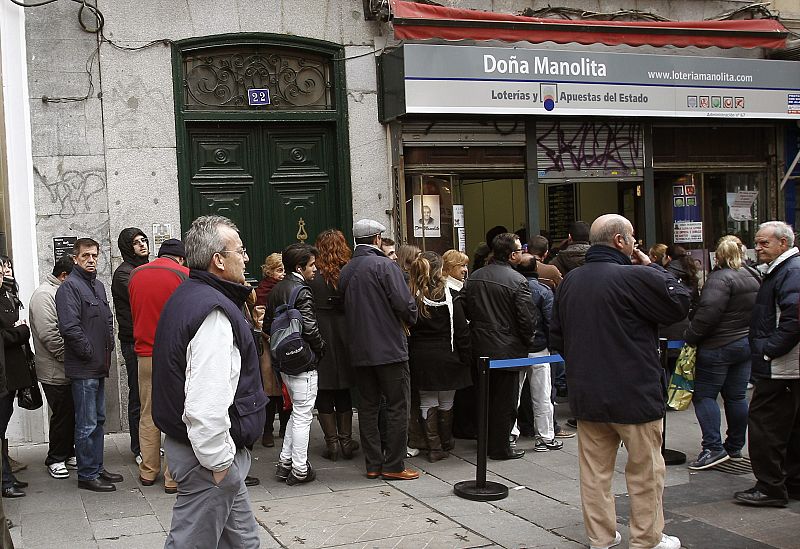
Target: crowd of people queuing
[{"x": 210, "y": 362}]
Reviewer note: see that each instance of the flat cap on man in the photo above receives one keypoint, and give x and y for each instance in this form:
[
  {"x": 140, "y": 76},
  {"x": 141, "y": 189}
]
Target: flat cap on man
[
  {"x": 367, "y": 227},
  {"x": 173, "y": 247}
]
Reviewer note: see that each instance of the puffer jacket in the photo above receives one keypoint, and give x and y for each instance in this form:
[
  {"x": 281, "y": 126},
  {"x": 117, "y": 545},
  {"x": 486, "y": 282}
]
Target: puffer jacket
[
  {"x": 121, "y": 279},
  {"x": 304, "y": 303},
  {"x": 571, "y": 257},
  {"x": 501, "y": 312},
  {"x": 723, "y": 314},
  {"x": 47, "y": 341},
  {"x": 774, "y": 328}
]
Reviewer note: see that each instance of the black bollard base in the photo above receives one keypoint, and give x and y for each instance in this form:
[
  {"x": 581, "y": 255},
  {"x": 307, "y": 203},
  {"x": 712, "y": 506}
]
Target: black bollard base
[
  {"x": 491, "y": 491},
  {"x": 673, "y": 457}
]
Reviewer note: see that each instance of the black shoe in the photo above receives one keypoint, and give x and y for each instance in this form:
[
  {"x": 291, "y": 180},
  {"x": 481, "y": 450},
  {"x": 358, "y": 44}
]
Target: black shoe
[
  {"x": 282, "y": 471},
  {"x": 110, "y": 477},
  {"x": 508, "y": 453},
  {"x": 251, "y": 481},
  {"x": 13, "y": 492},
  {"x": 309, "y": 476},
  {"x": 756, "y": 497},
  {"x": 20, "y": 484},
  {"x": 96, "y": 485},
  {"x": 572, "y": 422}
]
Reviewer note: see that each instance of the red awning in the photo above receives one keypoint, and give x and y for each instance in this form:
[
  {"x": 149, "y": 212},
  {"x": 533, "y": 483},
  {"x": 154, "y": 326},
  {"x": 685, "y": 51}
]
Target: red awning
[{"x": 414, "y": 21}]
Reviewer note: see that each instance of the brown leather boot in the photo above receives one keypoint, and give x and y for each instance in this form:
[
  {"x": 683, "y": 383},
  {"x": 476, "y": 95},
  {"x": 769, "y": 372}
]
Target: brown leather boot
[
  {"x": 328, "y": 424},
  {"x": 446, "y": 430},
  {"x": 416, "y": 434},
  {"x": 344, "y": 423},
  {"x": 435, "y": 452}
]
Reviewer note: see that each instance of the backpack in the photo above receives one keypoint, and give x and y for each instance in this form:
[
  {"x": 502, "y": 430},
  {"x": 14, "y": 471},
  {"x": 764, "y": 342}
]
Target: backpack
[{"x": 291, "y": 354}]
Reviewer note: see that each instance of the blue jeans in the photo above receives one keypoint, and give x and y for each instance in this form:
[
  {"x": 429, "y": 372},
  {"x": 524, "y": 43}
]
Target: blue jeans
[
  {"x": 723, "y": 370},
  {"x": 90, "y": 416}
]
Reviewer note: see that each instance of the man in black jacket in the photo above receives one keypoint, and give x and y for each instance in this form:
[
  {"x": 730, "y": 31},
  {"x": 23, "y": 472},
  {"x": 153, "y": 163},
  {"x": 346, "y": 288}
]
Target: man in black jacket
[
  {"x": 502, "y": 325},
  {"x": 135, "y": 252},
  {"x": 86, "y": 324},
  {"x": 605, "y": 323},
  {"x": 378, "y": 309},
  {"x": 299, "y": 260},
  {"x": 774, "y": 419}
]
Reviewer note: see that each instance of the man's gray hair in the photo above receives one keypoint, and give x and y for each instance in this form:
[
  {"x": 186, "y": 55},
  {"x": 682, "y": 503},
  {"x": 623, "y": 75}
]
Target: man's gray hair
[
  {"x": 203, "y": 240},
  {"x": 780, "y": 230},
  {"x": 606, "y": 227}
]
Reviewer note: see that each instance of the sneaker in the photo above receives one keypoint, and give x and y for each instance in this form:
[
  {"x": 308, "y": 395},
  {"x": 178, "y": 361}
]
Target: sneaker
[
  {"x": 617, "y": 541},
  {"x": 707, "y": 459},
  {"x": 668, "y": 542},
  {"x": 411, "y": 452},
  {"x": 71, "y": 463},
  {"x": 749, "y": 386},
  {"x": 58, "y": 470},
  {"x": 138, "y": 459},
  {"x": 547, "y": 445},
  {"x": 294, "y": 478},
  {"x": 563, "y": 433},
  {"x": 282, "y": 470},
  {"x": 735, "y": 456}
]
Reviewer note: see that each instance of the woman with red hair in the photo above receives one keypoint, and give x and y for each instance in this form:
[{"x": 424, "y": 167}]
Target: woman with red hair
[{"x": 336, "y": 376}]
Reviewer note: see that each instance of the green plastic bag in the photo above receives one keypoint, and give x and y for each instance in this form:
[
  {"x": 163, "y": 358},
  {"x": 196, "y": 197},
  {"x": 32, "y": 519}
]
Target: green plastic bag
[{"x": 681, "y": 385}]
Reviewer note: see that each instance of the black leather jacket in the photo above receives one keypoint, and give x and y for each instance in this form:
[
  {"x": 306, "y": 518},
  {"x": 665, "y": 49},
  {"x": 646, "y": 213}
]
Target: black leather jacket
[
  {"x": 501, "y": 312},
  {"x": 304, "y": 303}
]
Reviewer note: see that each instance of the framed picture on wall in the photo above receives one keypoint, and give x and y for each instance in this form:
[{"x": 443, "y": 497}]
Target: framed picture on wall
[{"x": 426, "y": 216}]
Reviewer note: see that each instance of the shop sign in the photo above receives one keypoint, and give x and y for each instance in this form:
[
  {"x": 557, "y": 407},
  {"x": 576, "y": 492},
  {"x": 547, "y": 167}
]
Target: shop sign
[
  {"x": 63, "y": 245},
  {"x": 511, "y": 80},
  {"x": 688, "y": 231},
  {"x": 740, "y": 205}
]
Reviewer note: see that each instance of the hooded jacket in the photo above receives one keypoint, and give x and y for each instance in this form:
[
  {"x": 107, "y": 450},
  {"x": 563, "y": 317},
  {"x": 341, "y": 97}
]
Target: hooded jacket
[
  {"x": 571, "y": 257},
  {"x": 47, "y": 341},
  {"x": 119, "y": 283}
]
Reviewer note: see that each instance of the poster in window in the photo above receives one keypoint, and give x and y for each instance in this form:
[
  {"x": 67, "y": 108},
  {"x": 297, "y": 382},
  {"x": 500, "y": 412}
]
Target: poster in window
[{"x": 427, "y": 216}]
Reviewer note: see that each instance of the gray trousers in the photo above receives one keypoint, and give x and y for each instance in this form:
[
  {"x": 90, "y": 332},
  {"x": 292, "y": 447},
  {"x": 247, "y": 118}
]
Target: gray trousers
[{"x": 207, "y": 515}]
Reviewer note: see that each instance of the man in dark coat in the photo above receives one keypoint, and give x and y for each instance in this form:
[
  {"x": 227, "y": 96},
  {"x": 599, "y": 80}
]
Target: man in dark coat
[
  {"x": 86, "y": 324},
  {"x": 774, "y": 416},
  {"x": 378, "y": 308},
  {"x": 503, "y": 325},
  {"x": 574, "y": 255},
  {"x": 135, "y": 252},
  {"x": 605, "y": 323}
]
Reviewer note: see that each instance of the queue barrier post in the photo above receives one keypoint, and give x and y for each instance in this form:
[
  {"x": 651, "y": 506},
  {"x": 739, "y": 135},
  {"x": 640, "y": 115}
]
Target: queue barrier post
[
  {"x": 480, "y": 489},
  {"x": 671, "y": 457}
]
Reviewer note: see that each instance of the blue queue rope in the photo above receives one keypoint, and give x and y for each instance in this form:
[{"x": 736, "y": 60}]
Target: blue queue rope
[{"x": 523, "y": 362}]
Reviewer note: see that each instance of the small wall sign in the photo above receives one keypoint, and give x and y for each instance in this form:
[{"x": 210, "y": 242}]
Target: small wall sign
[
  {"x": 63, "y": 245},
  {"x": 258, "y": 96}
]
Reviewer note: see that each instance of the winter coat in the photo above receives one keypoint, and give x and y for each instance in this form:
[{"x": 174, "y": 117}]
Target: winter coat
[
  {"x": 605, "y": 324},
  {"x": 334, "y": 369},
  {"x": 120, "y": 280},
  {"x": 304, "y": 303},
  {"x": 571, "y": 257},
  {"x": 86, "y": 324},
  {"x": 263, "y": 290},
  {"x": 501, "y": 312},
  {"x": 723, "y": 314},
  {"x": 549, "y": 275},
  {"x": 15, "y": 342},
  {"x": 543, "y": 300},
  {"x": 439, "y": 346},
  {"x": 774, "y": 328},
  {"x": 378, "y": 305},
  {"x": 47, "y": 341}
]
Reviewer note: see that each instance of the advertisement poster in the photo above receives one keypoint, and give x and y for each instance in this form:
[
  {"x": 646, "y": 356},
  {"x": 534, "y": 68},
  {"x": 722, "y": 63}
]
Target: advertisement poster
[
  {"x": 686, "y": 213},
  {"x": 427, "y": 216}
]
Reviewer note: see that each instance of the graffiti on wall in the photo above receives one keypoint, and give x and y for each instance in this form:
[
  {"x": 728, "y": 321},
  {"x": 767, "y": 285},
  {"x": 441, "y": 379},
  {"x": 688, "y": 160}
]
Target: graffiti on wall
[
  {"x": 565, "y": 146},
  {"x": 72, "y": 191}
]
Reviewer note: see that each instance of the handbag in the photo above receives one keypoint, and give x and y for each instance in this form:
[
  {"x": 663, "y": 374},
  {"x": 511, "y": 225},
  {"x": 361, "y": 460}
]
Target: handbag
[
  {"x": 30, "y": 398},
  {"x": 681, "y": 384}
]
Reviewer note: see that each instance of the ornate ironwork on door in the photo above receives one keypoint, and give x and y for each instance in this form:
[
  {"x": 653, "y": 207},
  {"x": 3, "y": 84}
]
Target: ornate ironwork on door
[{"x": 219, "y": 78}]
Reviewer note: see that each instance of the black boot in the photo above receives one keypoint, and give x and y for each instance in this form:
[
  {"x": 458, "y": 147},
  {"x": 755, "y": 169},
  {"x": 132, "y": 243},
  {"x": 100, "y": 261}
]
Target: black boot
[
  {"x": 446, "y": 430},
  {"x": 435, "y": 452},
  {"x": 344, "y": 424},
  {"x": 268, "y": 440},
  {"x": 328, "y": 424}
]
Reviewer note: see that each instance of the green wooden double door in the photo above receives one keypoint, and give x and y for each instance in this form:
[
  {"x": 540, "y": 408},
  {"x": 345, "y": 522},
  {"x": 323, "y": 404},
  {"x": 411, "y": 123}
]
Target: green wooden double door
[{"x": 277, "y": 181}]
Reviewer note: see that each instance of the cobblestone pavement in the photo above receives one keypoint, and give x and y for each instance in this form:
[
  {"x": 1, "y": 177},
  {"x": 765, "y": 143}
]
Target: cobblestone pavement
[{"x": 343, "y": 508}]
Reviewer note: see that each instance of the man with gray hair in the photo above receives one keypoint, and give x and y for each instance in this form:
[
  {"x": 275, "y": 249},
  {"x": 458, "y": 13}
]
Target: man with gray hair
[
  {"x": 774, "y": 420},
  {"x": 605, "y": 323},
  {"x": 207, "y": 393}
]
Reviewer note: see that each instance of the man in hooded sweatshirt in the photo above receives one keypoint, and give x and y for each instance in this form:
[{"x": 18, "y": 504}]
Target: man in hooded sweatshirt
[{"x": 135, "y": 250}]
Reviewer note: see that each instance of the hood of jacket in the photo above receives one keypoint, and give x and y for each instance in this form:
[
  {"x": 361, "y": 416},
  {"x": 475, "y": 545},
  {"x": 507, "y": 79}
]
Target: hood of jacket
[
  {"x": 573, "y": 255},
  {"x": 125, "y": 243}
]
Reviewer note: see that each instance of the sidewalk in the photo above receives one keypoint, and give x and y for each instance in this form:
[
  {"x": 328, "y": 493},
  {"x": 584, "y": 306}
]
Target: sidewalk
[{"x": 343, "y": 508}]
